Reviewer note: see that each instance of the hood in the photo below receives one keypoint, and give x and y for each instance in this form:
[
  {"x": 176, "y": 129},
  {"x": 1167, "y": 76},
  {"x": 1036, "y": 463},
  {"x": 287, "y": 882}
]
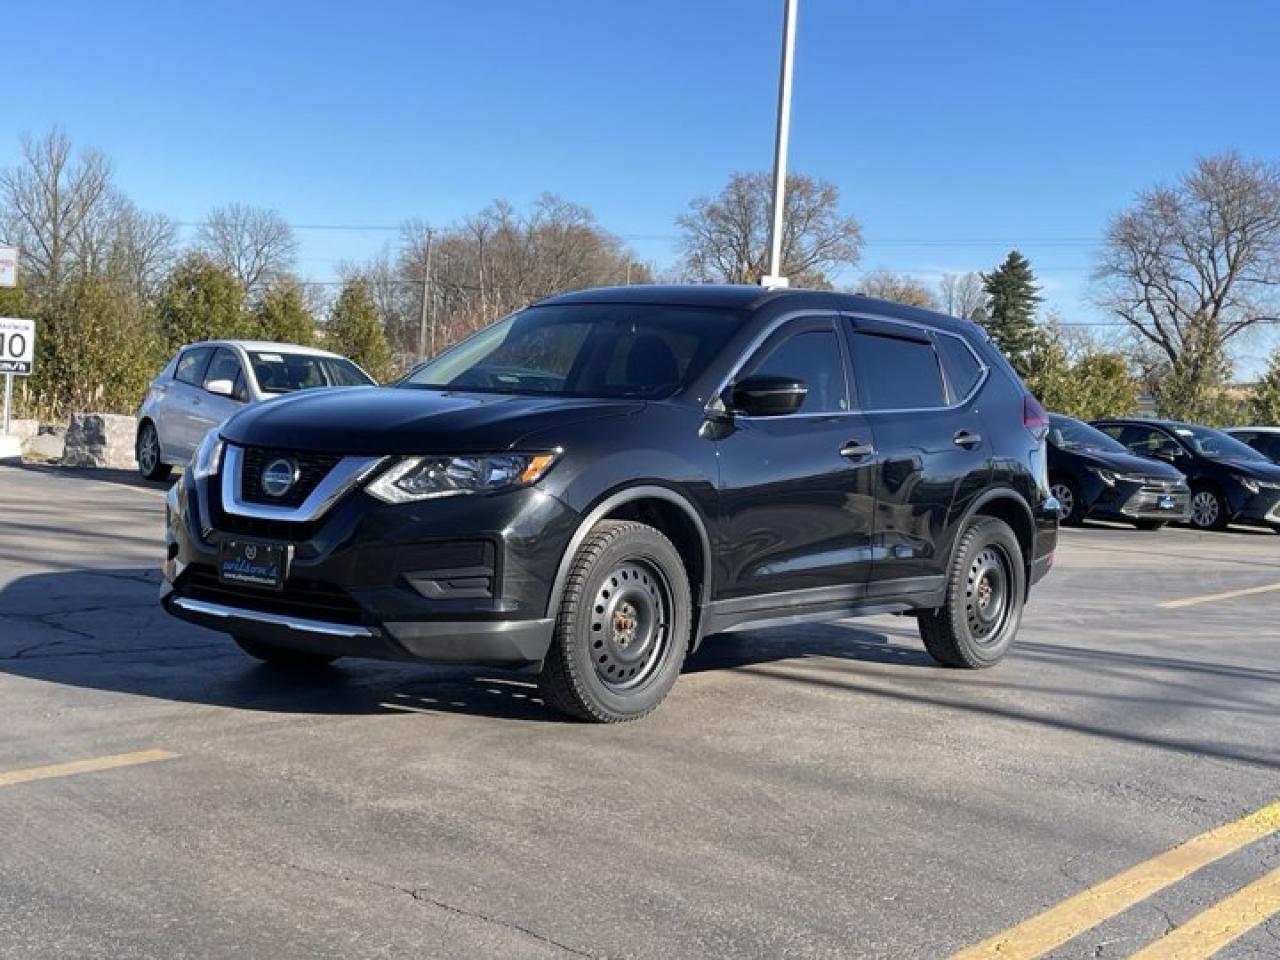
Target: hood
[
  {"x": 1118, "y": 462},
  {"x": 369, "y": 421},
  {"x": 1255, "y": 469}
]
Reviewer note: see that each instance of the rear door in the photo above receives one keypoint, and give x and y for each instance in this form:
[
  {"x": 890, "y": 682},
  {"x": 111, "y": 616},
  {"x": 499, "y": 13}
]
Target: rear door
[
  {"x": 932, "y": 452},
  {"x": 797, "y": 491}
]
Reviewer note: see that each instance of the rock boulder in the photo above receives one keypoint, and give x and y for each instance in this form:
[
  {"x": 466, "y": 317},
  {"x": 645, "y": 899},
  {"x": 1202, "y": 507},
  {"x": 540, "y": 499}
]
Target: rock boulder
[{"x": 100, "y": 440}]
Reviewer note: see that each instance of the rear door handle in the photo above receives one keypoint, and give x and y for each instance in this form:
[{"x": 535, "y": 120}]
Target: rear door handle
[
  {"x": 856, "y": 449},
  {"x": 966, "y": 439}
]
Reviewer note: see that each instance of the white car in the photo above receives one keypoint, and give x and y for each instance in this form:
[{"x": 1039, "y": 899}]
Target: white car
[
  {"x": 205, "y": 383},
  {"x": 1266, "y": 440}
]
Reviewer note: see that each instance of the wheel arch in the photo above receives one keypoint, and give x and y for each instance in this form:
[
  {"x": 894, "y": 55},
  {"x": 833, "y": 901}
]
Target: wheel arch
[
  {"x": 1003, "y": 503},
  {"x": 667, "y": 511}
]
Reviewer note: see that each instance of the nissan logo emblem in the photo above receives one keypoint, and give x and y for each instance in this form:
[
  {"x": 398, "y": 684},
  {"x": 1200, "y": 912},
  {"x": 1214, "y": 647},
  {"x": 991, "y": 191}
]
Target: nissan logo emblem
[{"x": 279, "y": 477}]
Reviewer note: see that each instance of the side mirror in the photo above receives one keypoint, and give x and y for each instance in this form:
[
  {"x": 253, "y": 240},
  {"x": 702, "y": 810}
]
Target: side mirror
[
  {"x": 223, "y": 388},
  {"x": 769, "y": 396}
]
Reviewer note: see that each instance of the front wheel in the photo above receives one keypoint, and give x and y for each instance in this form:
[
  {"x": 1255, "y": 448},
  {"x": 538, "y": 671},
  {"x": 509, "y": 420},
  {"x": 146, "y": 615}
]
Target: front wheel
[
  {"x": 985, "y": 589},
  {"x": 623, "y": 626},
  {"x": 147, "y": 453},
  {"x": 1070, "y": 509},
  {"x": 1208, "y": 512},
  {"x": 282, "y": 656}
]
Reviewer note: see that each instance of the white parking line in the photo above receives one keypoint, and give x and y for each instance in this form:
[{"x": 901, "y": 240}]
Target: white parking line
[{"x": 1225, "y": 595}]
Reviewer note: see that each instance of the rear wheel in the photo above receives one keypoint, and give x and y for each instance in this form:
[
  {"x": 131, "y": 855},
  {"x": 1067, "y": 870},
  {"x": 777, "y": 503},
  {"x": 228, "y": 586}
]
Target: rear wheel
[
  {"x": 147, "y": 453},
  {"x": 985, "y": 589},
  {"x": 1149, "y": 524},
  {"x": 623, "y": 625},
  {"x": 282, "y": 656},
  {"x": 1208, "y": 512},
  {"x": 1070, "y": 509}
]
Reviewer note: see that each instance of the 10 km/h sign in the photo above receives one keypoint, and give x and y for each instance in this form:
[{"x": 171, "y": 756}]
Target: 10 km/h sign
[{"x": 17, "y": 345}]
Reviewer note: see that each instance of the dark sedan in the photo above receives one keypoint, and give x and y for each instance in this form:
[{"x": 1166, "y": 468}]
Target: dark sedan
[
  {"x": 1092, "y": 475},
  {"x": 1230, "y": 481}
]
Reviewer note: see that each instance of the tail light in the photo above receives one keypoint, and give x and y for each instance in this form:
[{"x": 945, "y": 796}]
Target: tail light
[{"x": 1034, "y": 417}]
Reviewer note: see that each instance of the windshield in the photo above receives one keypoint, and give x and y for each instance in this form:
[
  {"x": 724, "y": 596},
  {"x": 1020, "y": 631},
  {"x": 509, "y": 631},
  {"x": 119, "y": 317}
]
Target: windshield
[
  {"x": 287, "y": 372},
  {"x": 1216, "y": 445},
  {"x": 584, "y": 350},
  {"x": 1068, "y": 434}
]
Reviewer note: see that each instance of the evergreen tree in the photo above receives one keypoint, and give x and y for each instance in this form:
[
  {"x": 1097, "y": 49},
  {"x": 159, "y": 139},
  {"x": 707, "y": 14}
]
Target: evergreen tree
[
  {"x": 1012, "y": 298},
  {"x": 199, "y": 301},
  {"x": 356, "y": 331},
  {"x": 1264, "y": 405},
  {"x": 283, "y": 316}
]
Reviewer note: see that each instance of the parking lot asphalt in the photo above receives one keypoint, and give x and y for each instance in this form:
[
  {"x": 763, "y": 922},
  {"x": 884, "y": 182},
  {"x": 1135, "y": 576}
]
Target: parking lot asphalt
[{"x": 816, "y": 791}]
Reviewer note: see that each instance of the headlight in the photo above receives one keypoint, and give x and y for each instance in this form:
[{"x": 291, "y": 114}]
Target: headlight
[
  {"x": 208, "y": 457},
  {"x": 1106, "y": 476},
  {"x": 420, "y": 478},
  {"x": 1254, "y": 485}
]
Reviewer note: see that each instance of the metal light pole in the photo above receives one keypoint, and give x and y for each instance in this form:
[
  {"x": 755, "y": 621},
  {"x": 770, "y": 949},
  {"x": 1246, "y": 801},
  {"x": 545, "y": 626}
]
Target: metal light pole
[
  {"x": 774, "y": 277},
  {"x": 422, "y": 315}
]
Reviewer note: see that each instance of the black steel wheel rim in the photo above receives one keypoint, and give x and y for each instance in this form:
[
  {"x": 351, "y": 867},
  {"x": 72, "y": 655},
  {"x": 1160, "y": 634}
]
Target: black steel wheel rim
[
  {"x": 630, "y": 625},
  {"x": 988, "y": 586}
]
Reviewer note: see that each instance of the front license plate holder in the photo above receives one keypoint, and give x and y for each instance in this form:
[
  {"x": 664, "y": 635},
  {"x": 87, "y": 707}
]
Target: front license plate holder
[
  {"x": 251, "y": 563},
  {"x": 1167, "y": 503}
]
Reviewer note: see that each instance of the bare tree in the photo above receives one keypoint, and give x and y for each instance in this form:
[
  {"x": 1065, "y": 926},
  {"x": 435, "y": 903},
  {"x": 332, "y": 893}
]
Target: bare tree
[
  {"x": 254, "y": 245},
  {"x": 897, "y": 287},
  {"x": 144, "y": 246},
  {"x": 726, "y": 238},
  {"x": 1192, "y": 265},
  {"x": 962, "y": 295},
  {"x": 57, "y": 205}
]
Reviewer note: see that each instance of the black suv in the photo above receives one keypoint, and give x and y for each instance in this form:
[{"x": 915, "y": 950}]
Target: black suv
[
  {"x": 1093, "y": 475},
  {"x": 1230, "y": 481},
  {"x": 590, "y": 486}
]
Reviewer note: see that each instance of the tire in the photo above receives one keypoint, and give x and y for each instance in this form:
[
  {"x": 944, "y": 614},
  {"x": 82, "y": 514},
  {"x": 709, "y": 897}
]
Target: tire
[
  {"x": 281, "y": 656},
  {"x": 622, "y": 630},
  {"x": 1067, "y": 494},
  {"x": 147, "y": 452},
  {"x": 1208, "y": 512},
  {"x": 1149, "y": 524},
  {"x": 976, "y": 627}
]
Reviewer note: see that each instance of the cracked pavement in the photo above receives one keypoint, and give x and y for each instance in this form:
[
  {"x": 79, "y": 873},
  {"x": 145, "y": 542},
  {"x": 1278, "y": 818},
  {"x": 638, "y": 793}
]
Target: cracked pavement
[{"x": 815, "y": 791}]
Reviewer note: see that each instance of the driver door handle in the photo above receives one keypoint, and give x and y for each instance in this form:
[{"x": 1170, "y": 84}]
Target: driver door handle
[
  {"x": 856, "y": 449},
  {"x": 966, "y": 439}
]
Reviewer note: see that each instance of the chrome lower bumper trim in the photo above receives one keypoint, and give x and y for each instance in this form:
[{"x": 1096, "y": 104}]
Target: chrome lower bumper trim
[{"x": 258, "y": 616}]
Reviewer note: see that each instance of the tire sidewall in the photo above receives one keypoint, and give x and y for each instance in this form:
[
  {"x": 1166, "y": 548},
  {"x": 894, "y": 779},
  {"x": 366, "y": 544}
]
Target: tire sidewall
[
  {"x": 651, "y": 547},
  {"x": 985, "y": 534}
]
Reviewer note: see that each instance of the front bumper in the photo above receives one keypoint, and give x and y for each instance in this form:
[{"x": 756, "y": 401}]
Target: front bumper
[
  {"x": 1261, "y": 508},
  {"x": 1130, "y": 500},
  {"x": 463, "y": 579}
]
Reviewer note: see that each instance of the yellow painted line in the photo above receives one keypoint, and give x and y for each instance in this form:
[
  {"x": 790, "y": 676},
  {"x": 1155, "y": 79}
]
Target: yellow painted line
[
  {"x": 1087, "y": 909},
  {"x": 92, "y": 765},
  {"x": 1227, "y": 920},
  {"x": 1211, "y": 597}
]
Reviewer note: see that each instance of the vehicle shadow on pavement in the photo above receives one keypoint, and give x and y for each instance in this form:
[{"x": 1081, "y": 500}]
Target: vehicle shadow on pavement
[
  {"x": 126, "y": 478},
  {"x": 103, "y": 629}
]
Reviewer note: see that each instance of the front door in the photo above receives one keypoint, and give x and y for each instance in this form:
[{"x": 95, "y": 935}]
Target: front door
[
  {"x": 797, "y": 495},
  {"x": 934, "y": 457}
]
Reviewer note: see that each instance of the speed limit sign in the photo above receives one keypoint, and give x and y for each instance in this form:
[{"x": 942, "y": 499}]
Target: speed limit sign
[{"x": 17, "y": 345}]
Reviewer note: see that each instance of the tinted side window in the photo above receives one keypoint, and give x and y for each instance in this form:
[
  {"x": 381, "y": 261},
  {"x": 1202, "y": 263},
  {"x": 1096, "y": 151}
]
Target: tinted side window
[
  {"x": 961, "y": 366},
  {"x": 897, "y": 374},
  {"x": 191, "y": 366},
  {"x": 1147, "y": 442},
  {"x": 814, "y": 357}
]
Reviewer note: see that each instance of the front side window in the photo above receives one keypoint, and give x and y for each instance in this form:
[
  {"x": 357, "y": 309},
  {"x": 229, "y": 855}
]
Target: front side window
[
  {"x": 225, "y": 365},
  {"x": 1150, "y": 442},
  {"x": 895, "y": 373},
  {"x": 1066, "y": 433},
  {"x": 812, "y": 357},
  {"x": 584, "y": 350},
  {"x": 191, "y": 366}
]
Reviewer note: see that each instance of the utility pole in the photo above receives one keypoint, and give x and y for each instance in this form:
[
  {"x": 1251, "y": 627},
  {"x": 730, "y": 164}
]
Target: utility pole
[
  {"x": 422, "y": 316},
  {"x": 774, "y": 277}
]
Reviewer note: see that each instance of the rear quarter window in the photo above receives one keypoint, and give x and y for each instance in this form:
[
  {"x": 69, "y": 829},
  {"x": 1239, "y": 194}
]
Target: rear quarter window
[{"x": 962, "y": 367}]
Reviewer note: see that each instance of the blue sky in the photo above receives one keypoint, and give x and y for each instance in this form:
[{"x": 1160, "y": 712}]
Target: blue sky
[{"x": 954, "y": 130}]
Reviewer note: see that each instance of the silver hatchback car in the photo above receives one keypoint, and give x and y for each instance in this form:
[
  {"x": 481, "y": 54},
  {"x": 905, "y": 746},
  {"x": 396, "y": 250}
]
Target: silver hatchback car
[{"x": 205, "y": 383}]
